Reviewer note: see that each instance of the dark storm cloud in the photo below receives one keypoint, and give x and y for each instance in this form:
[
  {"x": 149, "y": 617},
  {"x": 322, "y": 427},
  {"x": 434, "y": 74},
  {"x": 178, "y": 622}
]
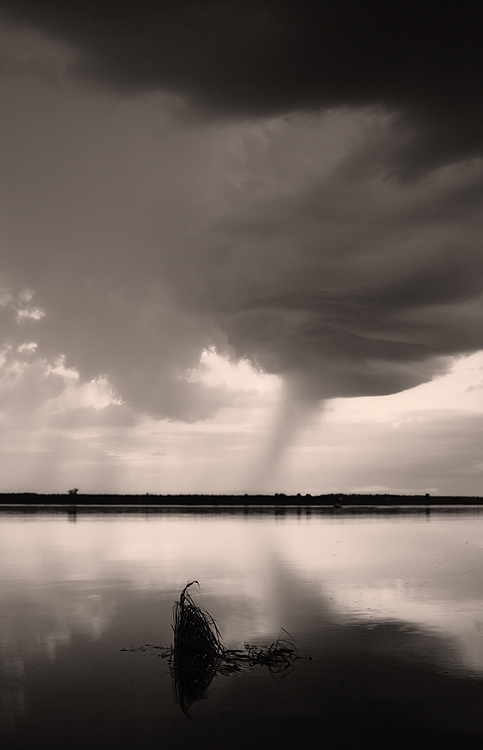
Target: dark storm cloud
[
  {"x": 349, "y": 287},
  {"x": 286, "y": 240},
  {"x": 267, "y": 57}
]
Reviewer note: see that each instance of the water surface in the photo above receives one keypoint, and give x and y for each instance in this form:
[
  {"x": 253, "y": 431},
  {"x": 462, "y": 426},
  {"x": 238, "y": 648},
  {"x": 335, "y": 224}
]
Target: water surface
[{"x": 385, "y": 611}]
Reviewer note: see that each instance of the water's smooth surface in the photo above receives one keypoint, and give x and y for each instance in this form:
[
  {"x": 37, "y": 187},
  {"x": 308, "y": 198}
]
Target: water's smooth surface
[{"x": 388, "y": 608}]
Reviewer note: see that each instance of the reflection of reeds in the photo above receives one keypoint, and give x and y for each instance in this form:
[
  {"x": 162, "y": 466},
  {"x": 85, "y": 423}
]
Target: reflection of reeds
[
  {"x": 191, "y": 680},
  {"x": 198, "y": 653}
]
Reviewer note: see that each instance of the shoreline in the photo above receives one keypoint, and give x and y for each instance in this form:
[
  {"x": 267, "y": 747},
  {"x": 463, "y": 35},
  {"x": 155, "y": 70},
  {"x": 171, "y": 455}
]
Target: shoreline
[{"x": 78, "y": 503}]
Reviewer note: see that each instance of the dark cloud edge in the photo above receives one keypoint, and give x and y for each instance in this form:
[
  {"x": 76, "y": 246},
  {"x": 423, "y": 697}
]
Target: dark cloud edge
[{"x": 241, "y": 59}]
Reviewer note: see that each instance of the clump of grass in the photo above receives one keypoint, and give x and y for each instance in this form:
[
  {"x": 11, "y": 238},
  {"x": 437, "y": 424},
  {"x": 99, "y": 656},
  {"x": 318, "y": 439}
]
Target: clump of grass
[
  {"x": 198, "y": 653},
  {"x": 196, "y": 634}
]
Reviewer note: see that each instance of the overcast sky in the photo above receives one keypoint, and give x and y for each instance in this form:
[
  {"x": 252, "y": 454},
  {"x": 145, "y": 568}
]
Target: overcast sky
[{"x": 241, "y": 247}]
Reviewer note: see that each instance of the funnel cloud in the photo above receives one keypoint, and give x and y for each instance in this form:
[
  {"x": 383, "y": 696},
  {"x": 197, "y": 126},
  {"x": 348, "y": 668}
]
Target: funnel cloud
[{"x": 295, "y": 406}]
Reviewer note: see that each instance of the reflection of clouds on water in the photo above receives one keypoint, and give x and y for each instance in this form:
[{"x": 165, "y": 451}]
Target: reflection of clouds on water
[
  {"x": 159, "y": 557},
  {"x": 385, "y": 608},
  {"x": 257, "y": 575},
  {"x": 403, "y": 603},
  {"x": 424, "y": 573},
  {"x": 162, "y": 551},
  {"x": 383, "y": 621},
  {"x": 40, "y": 622}
]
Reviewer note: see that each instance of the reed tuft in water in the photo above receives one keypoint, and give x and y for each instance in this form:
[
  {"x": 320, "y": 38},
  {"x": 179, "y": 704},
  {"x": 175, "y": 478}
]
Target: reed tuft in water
[
  {"x": 196, "y": 634},
  {"x": 198, "y": 653}
]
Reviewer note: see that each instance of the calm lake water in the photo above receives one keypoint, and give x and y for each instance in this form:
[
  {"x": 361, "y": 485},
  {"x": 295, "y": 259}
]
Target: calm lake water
[{"x": 386, "y": 612}]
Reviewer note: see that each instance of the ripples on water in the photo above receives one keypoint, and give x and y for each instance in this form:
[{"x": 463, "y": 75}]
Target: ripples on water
[{"x": 386, "y": 612}]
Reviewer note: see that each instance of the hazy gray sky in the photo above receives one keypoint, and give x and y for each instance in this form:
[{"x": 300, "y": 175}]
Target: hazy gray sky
[{"x": 204, "y": 184}]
